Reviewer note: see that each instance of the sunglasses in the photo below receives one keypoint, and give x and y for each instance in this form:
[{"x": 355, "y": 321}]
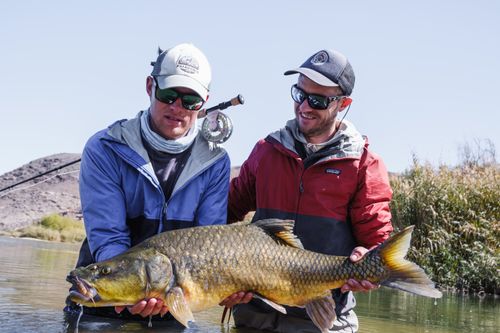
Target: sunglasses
[
  {"x": 317, "y": 102},
  {"x": 190, "y": 102}
]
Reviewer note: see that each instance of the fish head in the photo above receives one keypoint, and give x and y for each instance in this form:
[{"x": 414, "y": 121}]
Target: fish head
[{"x": 123, "y": 280}]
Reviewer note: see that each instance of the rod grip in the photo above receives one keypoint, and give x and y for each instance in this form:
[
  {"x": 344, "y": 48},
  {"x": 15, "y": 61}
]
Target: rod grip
[{"x": 224, "y": 105}]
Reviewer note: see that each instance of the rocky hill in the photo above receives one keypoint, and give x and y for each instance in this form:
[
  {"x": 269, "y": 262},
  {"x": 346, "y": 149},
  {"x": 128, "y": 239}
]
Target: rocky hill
[{"x": 56, "y": 192}]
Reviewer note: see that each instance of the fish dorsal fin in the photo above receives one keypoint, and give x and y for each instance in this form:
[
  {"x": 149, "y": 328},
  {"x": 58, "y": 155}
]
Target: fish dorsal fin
[
  {"x": 275, "y": 306},
  {"x": 282, "y": 229},
  {"x": 178, "y": 307},
  {"x": 322, "y": 312}
]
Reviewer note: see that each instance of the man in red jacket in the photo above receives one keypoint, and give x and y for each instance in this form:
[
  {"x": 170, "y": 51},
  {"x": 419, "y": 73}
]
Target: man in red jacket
[{"x": 318, "y": 171}]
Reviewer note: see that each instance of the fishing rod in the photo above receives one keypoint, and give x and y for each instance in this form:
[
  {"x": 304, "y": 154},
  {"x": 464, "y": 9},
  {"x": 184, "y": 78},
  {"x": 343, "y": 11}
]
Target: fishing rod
[
  {"x": 221, "y": 106},
  {"x": 40, "y": 175},
  {"x": 216, "y": 130}
]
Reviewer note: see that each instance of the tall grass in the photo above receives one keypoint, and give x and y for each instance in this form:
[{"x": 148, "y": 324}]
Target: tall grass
[
  {"x": 55, "y": 227},
  {"x": 456, "y": 211}
]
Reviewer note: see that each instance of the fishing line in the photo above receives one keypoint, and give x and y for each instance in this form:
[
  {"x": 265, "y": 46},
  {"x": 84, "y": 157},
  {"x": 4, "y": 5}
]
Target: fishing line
[
  {"x": 79, "y": 316},
  {"x": 40, "y": 175},
  {"x": 341, "y": 120},
  {"x": 40, "y": 182}
]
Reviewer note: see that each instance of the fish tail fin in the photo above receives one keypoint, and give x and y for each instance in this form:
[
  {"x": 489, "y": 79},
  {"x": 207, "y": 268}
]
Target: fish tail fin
[{"x": 403, "y": 274}]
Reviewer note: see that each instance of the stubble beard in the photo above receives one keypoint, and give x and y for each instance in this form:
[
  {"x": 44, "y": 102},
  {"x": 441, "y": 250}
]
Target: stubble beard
[{"x": 326, "y": 126}]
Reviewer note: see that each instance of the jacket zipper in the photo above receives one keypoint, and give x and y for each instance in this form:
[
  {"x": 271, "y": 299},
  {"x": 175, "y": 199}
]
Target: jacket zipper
[{"x": 301, "y": 189}]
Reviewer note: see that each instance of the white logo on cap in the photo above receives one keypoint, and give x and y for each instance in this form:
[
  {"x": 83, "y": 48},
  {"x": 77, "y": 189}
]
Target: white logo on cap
[
  {"x": 320, "y": 58},
  {"x": 188, "y": 64}
]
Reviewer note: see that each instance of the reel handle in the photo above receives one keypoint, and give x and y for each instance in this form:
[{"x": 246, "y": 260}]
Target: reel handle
[{"x": 224, "y": 105}]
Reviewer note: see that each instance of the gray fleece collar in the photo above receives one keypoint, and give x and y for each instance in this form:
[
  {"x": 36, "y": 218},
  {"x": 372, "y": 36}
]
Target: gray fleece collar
[
  {"x": 350, "y": 141},
  {"x": 128, "y": 132}
]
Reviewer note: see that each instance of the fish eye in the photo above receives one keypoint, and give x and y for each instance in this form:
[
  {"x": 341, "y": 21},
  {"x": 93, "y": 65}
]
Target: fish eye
[{"x": 105, "y": 270}]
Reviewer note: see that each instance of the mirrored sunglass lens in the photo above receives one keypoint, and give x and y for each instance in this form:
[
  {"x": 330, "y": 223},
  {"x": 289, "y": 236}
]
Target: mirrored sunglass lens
[
  {"x": 166, "y": 95},
  {"x": 298, "y": 95},
  {"x": 317, "y": 102},
  {"x": 192, "y": 102}
]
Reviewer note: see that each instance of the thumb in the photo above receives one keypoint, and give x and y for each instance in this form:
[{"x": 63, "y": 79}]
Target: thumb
[{"x": 357, "y": 253}]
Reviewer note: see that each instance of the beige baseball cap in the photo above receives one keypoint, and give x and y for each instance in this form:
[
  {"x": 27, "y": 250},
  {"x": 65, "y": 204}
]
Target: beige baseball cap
[{"x": 185, "y": 66}]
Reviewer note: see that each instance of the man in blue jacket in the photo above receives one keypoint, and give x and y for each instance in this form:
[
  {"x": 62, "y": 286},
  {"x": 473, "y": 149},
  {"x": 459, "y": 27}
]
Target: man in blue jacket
[{"x": 154, "y": 172}]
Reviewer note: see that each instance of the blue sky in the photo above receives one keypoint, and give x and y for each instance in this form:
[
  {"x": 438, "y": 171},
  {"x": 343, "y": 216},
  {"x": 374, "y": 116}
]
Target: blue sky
[{"x": 427, "y": 72}]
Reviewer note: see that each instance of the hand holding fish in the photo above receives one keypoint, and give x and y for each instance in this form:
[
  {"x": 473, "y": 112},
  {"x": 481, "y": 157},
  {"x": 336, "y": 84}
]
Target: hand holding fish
[
  {"x": 145, "y": 308},
  {"x": 236, "y": 298},
  {"x": 354, "y": 285}
]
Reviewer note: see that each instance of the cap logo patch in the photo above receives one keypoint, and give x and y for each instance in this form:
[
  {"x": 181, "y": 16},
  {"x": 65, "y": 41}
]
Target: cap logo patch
[
  {"x": 188, "y": 64},
  {"x": 320, "y": 58}
]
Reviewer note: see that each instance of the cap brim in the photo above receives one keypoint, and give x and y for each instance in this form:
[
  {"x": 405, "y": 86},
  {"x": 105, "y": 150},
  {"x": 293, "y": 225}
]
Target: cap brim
[
  {"x": 173, "y": 81},
  {"x": 313, "y": 75}
]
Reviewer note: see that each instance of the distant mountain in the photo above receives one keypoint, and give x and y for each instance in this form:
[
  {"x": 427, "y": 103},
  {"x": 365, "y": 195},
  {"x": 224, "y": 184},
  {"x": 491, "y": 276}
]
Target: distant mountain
[{"x": 56, "y": 192}]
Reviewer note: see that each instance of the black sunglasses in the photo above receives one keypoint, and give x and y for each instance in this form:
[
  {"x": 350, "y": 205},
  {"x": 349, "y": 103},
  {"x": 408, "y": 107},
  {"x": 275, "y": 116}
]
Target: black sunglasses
[
  {"x": 169, "y": 96},
  {"x": 317, "y": 102}
]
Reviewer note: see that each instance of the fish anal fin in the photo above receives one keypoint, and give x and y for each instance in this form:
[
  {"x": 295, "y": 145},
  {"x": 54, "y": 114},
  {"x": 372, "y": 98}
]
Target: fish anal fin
[
  {"x": 275, "y": 306},
  {"x": 282, "y": 230},
  {"x": 178, "y": 306},
  {"x": 322, "y": 312}
]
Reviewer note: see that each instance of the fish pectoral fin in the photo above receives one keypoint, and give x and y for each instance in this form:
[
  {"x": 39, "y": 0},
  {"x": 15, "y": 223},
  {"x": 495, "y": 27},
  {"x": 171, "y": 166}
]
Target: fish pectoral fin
[
  {"x": 275, "y": 306},
  {"x": 322, "y": 312},
  {"x": 178, "y": 307}
]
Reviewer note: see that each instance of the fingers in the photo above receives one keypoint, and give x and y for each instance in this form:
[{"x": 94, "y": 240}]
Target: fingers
[
  {"x": 119, "y": 309},
  {"x": 156, "y": 308},
  {"x": 138, "y": 307},
  {"x": 247, "y": 298},
  {"x": 163, "y": 311},
  {"x": 150, "y": 307},
  {"x": 354, "y": 285},
  {"x": 236, "y": 298}
]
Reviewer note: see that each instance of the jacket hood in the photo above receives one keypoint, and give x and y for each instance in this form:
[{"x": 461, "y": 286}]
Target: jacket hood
[
  {"x": 348, "y": 141},
  {"x": 128, "y": 132}
]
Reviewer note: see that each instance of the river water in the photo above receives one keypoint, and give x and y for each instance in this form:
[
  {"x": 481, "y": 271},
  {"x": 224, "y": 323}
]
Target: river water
[{"x": 33, "y": 290}]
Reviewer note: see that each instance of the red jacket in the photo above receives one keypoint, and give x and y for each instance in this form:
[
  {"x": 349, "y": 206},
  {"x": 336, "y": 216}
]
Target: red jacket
[{"x": 339, "y": 196}]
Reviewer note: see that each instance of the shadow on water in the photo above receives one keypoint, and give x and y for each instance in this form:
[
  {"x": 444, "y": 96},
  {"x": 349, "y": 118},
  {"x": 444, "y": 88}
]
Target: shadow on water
[{"x": 33, "y": 290}]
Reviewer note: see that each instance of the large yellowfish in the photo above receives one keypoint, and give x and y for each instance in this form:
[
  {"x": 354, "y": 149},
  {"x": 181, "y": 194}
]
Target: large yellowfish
[{"x": 196, "y": 268}]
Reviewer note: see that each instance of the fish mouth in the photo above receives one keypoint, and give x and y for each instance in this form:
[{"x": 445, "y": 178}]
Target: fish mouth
[{"x": 82, "y": 291}]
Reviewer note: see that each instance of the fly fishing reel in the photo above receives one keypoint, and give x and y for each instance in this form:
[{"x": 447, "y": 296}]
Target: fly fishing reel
[{"x": 217, "y": 127}]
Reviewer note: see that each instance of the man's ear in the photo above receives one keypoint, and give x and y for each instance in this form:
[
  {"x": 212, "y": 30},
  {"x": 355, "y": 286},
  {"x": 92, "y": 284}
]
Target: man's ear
[
  {"x": 149, "y": 85},
  {"x": 345, "y": 103}
]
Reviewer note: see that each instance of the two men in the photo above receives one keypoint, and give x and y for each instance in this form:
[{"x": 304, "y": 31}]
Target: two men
[{"x": 155, "y": 173}]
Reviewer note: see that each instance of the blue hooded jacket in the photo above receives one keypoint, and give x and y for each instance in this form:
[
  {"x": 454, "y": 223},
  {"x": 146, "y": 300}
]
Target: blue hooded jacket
[{"x": 123, "y": 202}]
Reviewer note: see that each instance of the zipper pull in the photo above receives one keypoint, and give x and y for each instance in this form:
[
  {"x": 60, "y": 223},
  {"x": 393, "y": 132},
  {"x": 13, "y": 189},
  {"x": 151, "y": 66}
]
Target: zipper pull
[
  {"x": 165, "y": 210},
  {"x": 301, "y": 187}
]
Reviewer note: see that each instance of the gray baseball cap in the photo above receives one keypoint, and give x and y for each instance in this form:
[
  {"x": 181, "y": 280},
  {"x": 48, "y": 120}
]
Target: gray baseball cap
[{"x": 328, "y": 68}]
